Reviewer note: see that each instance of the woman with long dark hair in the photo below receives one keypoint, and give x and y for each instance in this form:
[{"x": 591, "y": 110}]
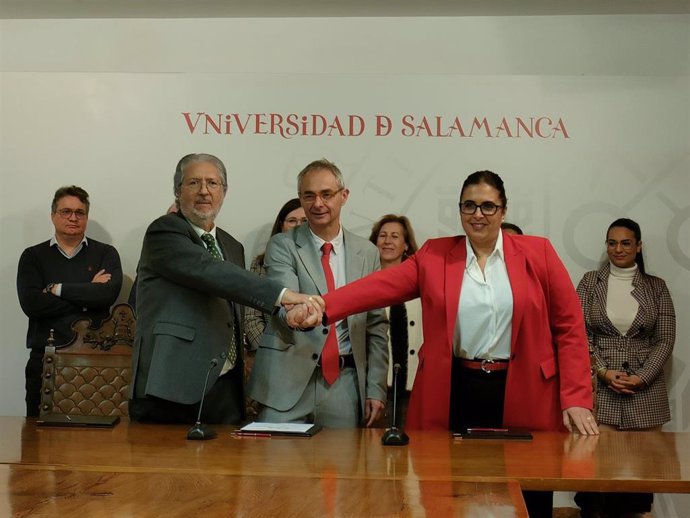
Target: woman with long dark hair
[
  {"x": 631, "y": 329},
  {"x": 291, "y": 215}
]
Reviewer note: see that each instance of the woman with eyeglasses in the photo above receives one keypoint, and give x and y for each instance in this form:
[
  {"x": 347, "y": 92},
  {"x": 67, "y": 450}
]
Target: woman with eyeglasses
[
  {"x": 504, "y": 338},
  {"x": 289, "y": 216},
  {"x": 631, "y": 328}
]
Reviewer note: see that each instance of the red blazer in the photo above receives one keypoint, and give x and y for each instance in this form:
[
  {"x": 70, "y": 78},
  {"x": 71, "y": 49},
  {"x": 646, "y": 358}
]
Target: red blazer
[{"x": 549, "y": 361}]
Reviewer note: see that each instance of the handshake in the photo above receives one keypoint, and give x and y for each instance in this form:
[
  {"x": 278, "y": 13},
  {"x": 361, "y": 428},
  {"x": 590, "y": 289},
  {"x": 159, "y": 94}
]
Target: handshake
[{"x": 303, "y": 311}]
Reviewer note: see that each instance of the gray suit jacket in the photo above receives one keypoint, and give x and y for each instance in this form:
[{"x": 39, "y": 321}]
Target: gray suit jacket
[
  {"x": 286, "y": 359},
  {"x": 184, "y": 318}
]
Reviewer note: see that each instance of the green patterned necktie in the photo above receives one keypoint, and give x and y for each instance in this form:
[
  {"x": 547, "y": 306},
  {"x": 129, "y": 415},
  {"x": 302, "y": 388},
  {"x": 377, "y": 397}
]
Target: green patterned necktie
[{"x": 210, "y": 242}]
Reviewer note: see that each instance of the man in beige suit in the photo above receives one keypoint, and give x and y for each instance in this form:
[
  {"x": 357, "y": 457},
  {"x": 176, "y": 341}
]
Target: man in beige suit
[{"x": 303, "y": 376}]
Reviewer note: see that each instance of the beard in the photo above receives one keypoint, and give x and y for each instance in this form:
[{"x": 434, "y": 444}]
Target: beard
[{"x": 200, "y": 218}]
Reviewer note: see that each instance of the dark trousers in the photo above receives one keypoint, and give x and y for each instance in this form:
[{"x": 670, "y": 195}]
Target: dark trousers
[
  {"x": 33, "y": 375},
  {"x": 611, "y": 505},
  {"x": 223, "y": 404},
  {"x": 476, "y": 400}
]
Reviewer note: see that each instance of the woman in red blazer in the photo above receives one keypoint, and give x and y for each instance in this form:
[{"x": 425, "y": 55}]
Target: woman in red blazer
[
  {"x": 546, "y": 365},
  {"x": 504, "y": 338}
]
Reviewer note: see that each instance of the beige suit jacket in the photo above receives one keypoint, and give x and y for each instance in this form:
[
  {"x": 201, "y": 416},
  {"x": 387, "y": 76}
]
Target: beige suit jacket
[{"x": 286, "y": 359}]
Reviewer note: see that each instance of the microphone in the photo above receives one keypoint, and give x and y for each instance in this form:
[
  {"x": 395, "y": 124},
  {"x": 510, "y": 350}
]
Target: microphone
[
  {"x": 393, "y": 436},
  {"x": 201, "y": 432}
]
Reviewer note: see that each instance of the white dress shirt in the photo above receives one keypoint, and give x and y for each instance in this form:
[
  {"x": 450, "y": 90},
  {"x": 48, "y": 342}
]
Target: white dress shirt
[
  {"x": 337, "y": 262},
  {"x": 485, "y": 311}
]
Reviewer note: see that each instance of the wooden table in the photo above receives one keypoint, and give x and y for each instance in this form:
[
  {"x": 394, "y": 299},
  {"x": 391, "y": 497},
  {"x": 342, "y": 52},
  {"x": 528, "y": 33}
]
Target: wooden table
[
  {"x": 61, "y": 492},
  {"x": 152, "y": 470}
]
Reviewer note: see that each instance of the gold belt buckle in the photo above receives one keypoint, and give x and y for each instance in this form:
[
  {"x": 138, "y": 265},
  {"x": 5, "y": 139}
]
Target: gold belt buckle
[{"x": 484, "y": 365}]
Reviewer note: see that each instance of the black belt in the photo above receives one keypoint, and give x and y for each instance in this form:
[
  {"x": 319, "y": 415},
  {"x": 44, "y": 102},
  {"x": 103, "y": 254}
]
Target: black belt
[{"x": 346, "y": 360}]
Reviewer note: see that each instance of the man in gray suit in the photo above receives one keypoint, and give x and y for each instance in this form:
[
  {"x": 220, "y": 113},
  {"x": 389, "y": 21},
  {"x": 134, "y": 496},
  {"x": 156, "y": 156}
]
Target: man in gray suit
[
  {"x": 189, "y": 290},
  {"x": 302, "y": 376}
]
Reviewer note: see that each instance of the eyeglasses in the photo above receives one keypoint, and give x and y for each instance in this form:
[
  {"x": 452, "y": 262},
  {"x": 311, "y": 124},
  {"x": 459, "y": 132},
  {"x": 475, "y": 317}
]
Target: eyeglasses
[
  {"x": 68, "y": 213},
  {"x": 487, "y": 208},
  {"x": 326, "y": 196},
  {"x": 626, "y": 244},
  {"x": 196, "y": 184}
]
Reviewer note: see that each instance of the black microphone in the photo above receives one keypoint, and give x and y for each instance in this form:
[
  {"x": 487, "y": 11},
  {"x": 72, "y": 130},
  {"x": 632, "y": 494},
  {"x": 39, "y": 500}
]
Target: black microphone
[
  {"x": 201, "y": 432},
  {"x": 394, "y": 436}
]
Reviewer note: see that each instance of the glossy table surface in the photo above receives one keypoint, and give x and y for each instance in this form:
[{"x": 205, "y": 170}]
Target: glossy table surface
[
  {"x": 156, "y": 464},
  {"x": 630, "y": 461},
  {"x": 56, "y": 493}
]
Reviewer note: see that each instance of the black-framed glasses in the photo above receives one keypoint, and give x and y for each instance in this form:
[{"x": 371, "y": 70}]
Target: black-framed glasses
[
  {"x": 626, "y": 244},
  {"x": 487, "y": 208},
  {"x": 68, "y": 213},
  {"x": 326, "y": 196}
]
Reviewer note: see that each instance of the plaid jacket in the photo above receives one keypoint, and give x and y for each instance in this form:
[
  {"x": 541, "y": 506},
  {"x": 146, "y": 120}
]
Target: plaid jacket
[
  {"x": 255, "y": 321},
  {"x": 645, "y": 347}
]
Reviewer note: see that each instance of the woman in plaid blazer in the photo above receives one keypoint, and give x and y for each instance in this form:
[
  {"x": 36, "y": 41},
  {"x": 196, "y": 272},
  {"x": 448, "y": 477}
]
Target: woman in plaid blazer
[
  {"x": 291, "y": 215},
  {"x": 631, "y": 328}
]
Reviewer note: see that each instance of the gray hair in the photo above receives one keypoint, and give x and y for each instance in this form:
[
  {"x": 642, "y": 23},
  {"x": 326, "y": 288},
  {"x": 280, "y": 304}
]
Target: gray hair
[
  {"x": 317, "y": 165},
  {"x": 194, "y": 158}
]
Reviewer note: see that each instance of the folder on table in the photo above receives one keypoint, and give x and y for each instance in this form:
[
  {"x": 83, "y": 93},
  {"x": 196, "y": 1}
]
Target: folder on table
[
  {"x": 88, "y": 421},
  {"x": 520, "y": 434}
]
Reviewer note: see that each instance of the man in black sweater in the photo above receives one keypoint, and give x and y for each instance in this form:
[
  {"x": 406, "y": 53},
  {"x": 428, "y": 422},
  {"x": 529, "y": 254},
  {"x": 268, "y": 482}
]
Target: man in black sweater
[{"x": 67, "y": 278}]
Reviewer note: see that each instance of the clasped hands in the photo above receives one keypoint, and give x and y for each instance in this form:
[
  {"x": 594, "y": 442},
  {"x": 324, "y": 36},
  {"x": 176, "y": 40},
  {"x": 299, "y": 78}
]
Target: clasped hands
[
  {"x": 303, "y": 311},
  {"x": 622, "y": 382}
]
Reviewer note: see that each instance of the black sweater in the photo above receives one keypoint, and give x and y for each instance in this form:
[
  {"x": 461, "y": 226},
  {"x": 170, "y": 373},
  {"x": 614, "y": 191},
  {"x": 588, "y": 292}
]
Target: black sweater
[{"x": 80, "y": 298}]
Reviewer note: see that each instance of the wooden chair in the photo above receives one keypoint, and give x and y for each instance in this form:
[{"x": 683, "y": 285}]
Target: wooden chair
[{"x": 91, "y": 374}]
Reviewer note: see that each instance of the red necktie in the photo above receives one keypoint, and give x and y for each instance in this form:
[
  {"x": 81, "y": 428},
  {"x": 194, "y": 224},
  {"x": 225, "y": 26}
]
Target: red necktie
[{"x": 330, "y": 356}]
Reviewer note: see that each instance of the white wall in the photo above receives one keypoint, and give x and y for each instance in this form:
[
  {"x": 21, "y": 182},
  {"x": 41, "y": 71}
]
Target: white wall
[{"x": 99, "y": 103}]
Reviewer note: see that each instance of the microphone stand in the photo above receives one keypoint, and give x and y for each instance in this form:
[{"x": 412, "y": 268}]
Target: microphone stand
[
  {"x": 201, "y": 432},
  {"x": 393, "y": 436}
]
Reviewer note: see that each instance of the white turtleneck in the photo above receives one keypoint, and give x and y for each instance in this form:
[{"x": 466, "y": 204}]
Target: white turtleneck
[{"x": 621, "y": 306}]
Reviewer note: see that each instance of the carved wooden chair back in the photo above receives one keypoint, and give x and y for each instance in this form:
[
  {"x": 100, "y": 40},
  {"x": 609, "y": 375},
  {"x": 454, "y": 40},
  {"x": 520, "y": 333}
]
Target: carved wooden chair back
[{"x": 91, "y": 374}]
